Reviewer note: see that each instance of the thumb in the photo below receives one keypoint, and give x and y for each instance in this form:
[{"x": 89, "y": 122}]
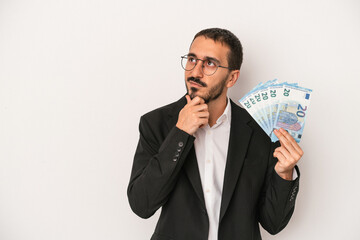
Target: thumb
[{"x": 188, "y": 99}]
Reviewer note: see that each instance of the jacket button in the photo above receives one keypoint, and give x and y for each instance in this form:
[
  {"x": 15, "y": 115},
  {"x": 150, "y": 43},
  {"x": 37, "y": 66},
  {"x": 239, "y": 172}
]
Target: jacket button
[
  {"x": 179, "y": 149},
  {"x": 181, "y": 144},
  {"x": 177, "y": 154},
  {"x": 174, "y": 159}
]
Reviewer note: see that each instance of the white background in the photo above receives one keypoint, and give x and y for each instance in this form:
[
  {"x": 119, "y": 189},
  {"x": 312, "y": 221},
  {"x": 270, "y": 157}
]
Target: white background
[{"x": 75, "y": 76}]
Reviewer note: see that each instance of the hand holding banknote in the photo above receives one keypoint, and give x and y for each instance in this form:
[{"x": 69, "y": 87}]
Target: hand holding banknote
[
  {"x": 280, "y": 109},
  {"x": 288, "y": 154}
]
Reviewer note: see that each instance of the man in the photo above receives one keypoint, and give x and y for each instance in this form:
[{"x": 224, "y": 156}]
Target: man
[{"x": 206, "y": 162}]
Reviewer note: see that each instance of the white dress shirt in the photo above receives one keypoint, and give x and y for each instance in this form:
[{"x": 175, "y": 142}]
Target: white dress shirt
[{"x": 211, "y": 147}]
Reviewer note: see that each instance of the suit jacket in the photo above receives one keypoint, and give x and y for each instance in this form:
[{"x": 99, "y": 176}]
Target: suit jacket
[{"x": 165, "y": 174}]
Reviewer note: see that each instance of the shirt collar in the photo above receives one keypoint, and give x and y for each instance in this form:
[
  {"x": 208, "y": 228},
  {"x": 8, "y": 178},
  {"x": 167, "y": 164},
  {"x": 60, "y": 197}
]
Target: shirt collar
[{"x": 226, "y": 116}]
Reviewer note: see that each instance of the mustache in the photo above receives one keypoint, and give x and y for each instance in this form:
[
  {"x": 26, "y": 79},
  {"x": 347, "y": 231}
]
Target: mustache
[{"x": 196, "y": 80}]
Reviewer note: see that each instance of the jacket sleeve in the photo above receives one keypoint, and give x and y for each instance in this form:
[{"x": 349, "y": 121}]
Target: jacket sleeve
[
  {"x": 277, "y": 201},
  {"x": 156, "y": 167}
]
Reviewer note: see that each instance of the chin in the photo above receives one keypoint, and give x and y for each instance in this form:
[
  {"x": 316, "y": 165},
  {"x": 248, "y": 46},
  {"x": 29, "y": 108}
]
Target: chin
[{"x": 192, "y": 92}]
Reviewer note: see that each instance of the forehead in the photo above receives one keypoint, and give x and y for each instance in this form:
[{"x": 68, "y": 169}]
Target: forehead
[{"x": 206, "y": 47}]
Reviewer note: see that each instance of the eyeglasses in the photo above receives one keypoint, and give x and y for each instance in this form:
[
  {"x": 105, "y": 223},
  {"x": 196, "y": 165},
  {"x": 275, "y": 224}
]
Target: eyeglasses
[{"x": 209, "y": 65}]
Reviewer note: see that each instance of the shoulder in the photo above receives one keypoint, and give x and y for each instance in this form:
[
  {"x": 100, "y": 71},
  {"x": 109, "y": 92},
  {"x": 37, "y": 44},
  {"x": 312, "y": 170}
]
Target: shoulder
[
  {"x": 240, "y": 115},
  {"x": 156, "y": 124},
  {"x": 260, "y": 146},
  {"x": 159, "y": 121},
  {"x": 165, "y": 112}
]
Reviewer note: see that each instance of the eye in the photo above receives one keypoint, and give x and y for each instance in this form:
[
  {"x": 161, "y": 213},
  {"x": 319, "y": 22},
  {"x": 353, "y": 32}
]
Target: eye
[
  {"x": 210, "y": 63},
  {"x": 192, "y": 59}
]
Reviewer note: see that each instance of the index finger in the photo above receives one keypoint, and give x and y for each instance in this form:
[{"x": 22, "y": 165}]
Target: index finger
[
  {"x": 291, "y": 140},
  {"x": 188, "y": 99},
  {"x": 196, "y": 100},
  {"x": 284, "y": 141}
]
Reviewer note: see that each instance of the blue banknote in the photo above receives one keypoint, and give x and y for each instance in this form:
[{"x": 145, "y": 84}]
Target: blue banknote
[{"x": 276, "y": 105}]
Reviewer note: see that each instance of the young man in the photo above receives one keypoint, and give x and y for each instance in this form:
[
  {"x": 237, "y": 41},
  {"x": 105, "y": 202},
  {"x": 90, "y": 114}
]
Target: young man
[{"x": 206, "y": 162}]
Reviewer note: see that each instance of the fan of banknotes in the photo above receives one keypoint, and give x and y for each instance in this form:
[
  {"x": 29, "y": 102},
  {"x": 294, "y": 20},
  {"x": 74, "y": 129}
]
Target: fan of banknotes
[{"x": 276, "y": 105}]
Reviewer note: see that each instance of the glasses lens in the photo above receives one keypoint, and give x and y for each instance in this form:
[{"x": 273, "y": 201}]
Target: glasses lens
[
  {"x": 210, "y": 67},
  {"x": 188, "y": 63}
]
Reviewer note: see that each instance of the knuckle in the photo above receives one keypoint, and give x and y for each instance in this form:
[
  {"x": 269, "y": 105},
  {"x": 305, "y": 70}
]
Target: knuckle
[{"x": 293, "y": 159}]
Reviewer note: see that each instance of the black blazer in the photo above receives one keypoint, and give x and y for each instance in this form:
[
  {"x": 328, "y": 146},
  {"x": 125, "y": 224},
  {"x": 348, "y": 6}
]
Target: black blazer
[{"x": 165, "y": 174}]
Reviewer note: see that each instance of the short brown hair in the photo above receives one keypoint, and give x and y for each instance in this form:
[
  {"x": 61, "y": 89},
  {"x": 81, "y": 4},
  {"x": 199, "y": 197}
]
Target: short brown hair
[{"x": 224, "y": 36}]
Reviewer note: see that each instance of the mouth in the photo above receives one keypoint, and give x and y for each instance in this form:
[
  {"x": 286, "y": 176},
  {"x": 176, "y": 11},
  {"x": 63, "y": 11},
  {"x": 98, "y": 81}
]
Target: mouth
[{"x": 194, "y": 84}]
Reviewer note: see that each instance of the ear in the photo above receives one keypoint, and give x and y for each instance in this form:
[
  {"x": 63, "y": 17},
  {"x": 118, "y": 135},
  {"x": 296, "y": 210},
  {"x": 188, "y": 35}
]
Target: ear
[{"x": 233, "y": 77}]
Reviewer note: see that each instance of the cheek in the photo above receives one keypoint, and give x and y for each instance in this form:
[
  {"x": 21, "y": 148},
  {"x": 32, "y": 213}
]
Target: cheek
[{"x": 187, "y": 74}]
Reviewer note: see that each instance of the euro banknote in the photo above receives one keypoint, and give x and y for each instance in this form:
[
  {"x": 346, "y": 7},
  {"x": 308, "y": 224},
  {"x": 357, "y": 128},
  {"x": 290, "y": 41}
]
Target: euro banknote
[{"x": 275, "y": 105}]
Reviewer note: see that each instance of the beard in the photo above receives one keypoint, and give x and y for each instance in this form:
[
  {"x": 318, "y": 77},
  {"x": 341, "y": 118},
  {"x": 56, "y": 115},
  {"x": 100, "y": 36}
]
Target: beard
[{"x": 213, "y": 92}]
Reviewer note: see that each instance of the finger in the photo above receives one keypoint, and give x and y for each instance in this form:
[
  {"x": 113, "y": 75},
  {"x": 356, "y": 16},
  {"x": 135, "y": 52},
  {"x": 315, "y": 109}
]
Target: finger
[
  {"x": 288, "y": 150},
  {"x": 199, "y": 100},
  {"x": 203, "y": 122},
  {"x": 196, "y": 100},
  {"x": 280, "y": 157},
  {"x": 282, "y": 160},
  {"x": 188, "y": 99},
  {"x": 292, "y": 141},
  {"x": 203, "y": 114},
  {"x": 288, "y": 145},
  {"x": 284, "y": 152},
  {"x": 285, "y": 142},
  {"x": 200, "y": 108}
]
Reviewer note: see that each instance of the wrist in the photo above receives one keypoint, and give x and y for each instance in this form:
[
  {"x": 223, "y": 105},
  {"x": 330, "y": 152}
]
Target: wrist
[
  {"x": 287, "y": 175},
  {"x": 179, "y": 126}
]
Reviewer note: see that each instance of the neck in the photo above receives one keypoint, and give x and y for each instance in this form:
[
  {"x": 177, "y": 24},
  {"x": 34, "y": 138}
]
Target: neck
[{"x": 216, "y": 108}]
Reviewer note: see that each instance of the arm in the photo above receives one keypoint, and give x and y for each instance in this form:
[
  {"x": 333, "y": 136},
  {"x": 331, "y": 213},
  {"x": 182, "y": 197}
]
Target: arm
[
  {"x": 156, "y": 168},
  {"x": 157, "y": 164},
  {"x": 277, "y": 201}
]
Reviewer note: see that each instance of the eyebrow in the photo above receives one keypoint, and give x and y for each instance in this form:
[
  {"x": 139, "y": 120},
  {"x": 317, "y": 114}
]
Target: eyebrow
[{"x": 206, "y": 57}]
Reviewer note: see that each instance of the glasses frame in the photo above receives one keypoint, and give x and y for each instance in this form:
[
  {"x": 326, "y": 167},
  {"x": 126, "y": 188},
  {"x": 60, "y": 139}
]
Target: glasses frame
[{"x": 202, "y": 69}]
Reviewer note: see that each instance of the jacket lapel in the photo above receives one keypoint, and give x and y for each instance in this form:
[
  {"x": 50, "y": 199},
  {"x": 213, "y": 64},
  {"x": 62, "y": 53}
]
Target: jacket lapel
[
  {"x": 240, "y": 134},
  {"x": 192, "y": 170},
  {"x": 190, "y": 166}
]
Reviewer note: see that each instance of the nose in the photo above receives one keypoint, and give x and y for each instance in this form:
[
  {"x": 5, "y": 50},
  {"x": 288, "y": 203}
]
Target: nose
[{"x": 198, "y": 70}]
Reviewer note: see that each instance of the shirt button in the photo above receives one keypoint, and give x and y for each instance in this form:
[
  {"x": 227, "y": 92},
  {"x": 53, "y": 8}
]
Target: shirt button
[
  {"x": 208, "y": 161},
  {"x": 207, "y": 190}
]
